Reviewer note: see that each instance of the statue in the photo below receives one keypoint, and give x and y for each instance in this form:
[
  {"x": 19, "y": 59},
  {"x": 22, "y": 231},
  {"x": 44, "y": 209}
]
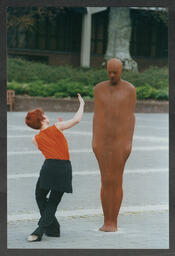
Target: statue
[{"x": 113, "y": 128}]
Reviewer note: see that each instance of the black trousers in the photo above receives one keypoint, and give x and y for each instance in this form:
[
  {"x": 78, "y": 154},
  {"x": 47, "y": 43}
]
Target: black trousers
[{"x": 47, "y": 223}]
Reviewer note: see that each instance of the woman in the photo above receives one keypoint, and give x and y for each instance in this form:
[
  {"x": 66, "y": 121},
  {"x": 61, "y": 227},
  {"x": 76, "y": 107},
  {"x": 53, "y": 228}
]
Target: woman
[{"x": 56, "y": 172}]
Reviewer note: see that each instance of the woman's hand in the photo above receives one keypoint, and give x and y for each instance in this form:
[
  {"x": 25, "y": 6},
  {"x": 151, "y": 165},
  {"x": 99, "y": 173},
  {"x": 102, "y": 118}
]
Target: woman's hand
[
  {"x": 60, "y": 119},
  {"x": 80, "y": 99}
]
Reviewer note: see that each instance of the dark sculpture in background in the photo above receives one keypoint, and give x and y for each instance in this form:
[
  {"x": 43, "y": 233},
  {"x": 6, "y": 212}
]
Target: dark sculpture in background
[{"x": 113, "y": 128}]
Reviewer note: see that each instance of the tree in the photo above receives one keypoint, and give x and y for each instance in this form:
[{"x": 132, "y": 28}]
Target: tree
[
  {"x": 24, "y": 17},
  {"x": 119, "y": 32}
]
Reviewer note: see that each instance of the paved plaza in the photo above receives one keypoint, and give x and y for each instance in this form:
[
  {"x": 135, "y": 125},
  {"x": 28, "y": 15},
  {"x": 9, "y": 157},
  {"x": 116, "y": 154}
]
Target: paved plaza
[{"x": 144, "y": 216}]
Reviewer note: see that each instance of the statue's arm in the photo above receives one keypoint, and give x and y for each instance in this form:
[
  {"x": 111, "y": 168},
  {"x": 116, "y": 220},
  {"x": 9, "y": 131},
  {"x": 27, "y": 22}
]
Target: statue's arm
[{"x": 133, "y": 97}]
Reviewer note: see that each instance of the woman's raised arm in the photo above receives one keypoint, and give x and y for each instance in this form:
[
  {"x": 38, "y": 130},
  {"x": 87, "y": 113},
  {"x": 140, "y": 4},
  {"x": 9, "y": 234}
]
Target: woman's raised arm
[{"x": 62, "y": 125}]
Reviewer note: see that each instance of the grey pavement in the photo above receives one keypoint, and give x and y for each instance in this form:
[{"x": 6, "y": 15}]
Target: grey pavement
[
  {"x": 143, "y": 219},
  {"x": 141, "y": 231}
]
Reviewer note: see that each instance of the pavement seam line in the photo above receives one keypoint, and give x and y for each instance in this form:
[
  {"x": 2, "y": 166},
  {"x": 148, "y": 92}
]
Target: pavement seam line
[
  {"x": 88, "y": 150},
  {"x": 92, "y": 173}
]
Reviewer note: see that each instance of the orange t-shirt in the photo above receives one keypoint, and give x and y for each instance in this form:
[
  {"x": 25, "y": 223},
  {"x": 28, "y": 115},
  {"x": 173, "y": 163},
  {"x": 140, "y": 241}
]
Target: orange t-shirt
[{"x": 52, "y": 143}]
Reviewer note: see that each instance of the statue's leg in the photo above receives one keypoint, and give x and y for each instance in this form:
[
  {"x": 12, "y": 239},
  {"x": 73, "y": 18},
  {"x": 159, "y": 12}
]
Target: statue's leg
[{"x": 111, "y": 192}]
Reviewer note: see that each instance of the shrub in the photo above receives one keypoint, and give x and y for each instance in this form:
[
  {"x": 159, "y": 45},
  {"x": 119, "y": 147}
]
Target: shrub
[
  {"x": 147, "y": 92},
  {"x": 27, "y": 71},
  {"x": 19, "y": 88},
  {"x": 67, "y": 89},
  {"x": 64, "y": 88},
  {"x": 37, "y": 79},
  {"x": 71, "y": 89},
  {"x": 162, "y": 94},
  {"x": 154, "y": 76}
]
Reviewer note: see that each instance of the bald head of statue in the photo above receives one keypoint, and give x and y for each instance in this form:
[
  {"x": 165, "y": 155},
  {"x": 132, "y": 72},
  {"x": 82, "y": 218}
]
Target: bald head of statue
[{"x": 114, "y": 69}]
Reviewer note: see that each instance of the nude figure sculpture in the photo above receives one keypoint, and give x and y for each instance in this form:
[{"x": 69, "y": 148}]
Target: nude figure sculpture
[{"x": 113, "y": 128}]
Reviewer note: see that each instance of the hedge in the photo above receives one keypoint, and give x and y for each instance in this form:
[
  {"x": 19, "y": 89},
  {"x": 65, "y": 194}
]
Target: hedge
[{"x": 36, "y": 79}]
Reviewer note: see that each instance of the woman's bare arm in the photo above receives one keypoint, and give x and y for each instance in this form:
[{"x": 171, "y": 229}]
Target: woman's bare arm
[{"x": 76, "y": 119}]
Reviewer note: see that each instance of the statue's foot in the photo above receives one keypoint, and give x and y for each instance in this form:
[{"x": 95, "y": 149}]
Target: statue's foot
[{"x": 108, "y": 228}]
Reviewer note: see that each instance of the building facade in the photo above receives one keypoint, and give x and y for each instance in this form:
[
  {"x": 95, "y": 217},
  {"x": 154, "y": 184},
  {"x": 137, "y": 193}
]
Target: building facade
[{"x": 80, "y": 37}]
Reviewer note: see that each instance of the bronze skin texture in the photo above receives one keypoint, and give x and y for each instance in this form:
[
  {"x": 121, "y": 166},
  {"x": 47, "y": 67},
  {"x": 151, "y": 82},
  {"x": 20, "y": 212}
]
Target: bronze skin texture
[{"x": 113, "y": 128}]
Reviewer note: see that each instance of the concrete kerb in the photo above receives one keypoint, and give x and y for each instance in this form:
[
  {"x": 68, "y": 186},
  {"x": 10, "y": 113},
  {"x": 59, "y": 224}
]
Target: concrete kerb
[{"x": 25, "y": 103}]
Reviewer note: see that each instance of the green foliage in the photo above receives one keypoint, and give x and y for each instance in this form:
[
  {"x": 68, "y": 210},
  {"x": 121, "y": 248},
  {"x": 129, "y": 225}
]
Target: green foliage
[
  {"x": 27, "y": 71},
  {"x": 156, "y": 77},
  {"x": 25, "y": 17},
  {"x": 147, "y": 92},
  {"x": 162, "y": 94},
  {"x": 62, "y": 89},
  {"x": 18, "y": 87},
  {"x": 39, "y": 88},
  {"x": 71, "y": 89},
  {"x": 37, "y": 79}
]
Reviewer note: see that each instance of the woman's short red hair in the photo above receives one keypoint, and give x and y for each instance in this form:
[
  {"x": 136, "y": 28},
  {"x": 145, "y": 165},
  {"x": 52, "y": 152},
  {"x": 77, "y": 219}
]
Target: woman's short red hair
[{"x": 33, "y": 118}]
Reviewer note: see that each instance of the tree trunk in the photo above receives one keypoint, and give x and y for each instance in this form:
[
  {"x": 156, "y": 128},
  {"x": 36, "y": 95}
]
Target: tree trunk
[{"x": 119, "y": 33}]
